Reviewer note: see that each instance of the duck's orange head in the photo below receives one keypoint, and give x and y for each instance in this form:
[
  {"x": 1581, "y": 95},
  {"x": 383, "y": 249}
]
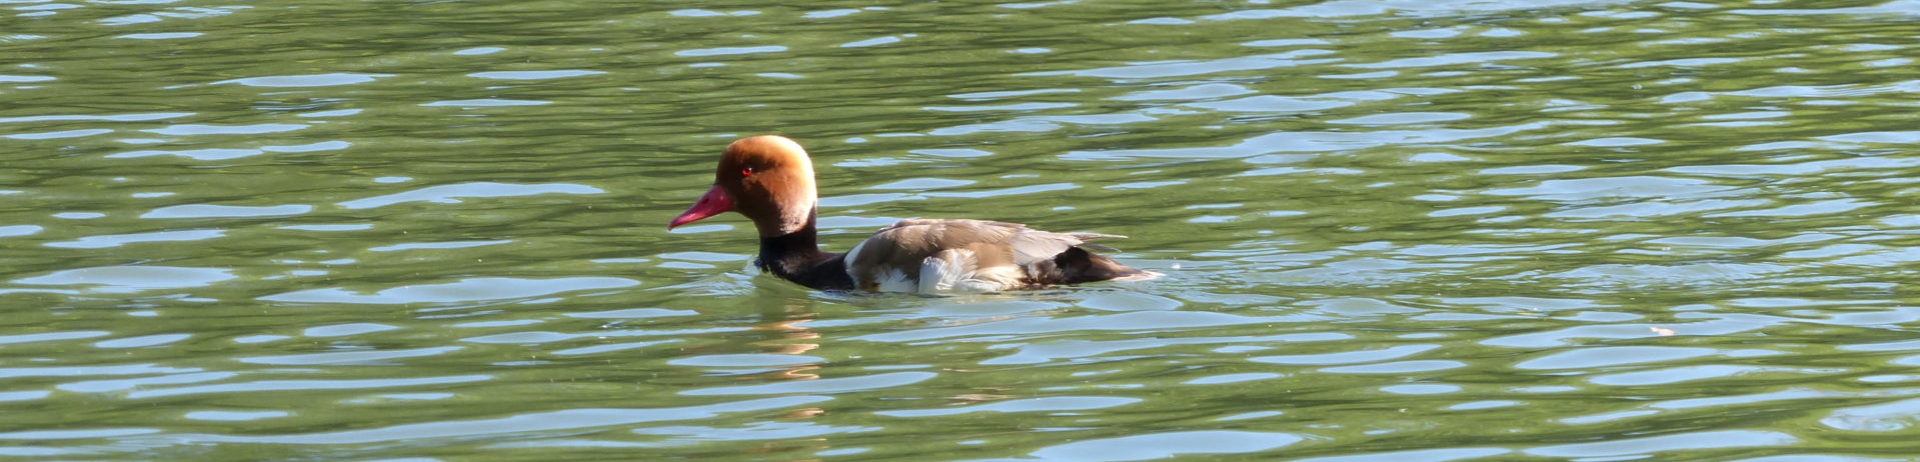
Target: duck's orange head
[{"x": 768, "y": 178}]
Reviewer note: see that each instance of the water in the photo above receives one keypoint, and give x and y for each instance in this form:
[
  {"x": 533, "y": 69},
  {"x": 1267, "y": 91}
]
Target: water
[{"x": 1432, "y": 230}]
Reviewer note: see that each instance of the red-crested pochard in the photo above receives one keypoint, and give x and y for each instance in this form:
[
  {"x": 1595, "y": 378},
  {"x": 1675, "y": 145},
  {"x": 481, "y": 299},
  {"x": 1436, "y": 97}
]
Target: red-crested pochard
[{"x": 770, "y": 180}]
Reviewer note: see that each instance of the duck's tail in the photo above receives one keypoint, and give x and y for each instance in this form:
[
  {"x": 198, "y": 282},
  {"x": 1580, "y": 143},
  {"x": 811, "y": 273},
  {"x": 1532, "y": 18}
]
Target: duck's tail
[{"x": 1077, "y": 265}]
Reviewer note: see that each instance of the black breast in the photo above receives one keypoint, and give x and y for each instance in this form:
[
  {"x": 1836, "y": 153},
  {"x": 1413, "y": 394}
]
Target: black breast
[{"x": 823, "y": 271}]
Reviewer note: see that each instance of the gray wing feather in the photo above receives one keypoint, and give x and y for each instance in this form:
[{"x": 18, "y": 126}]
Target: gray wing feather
[
  {"x": 1032, "y": 245},
  {"x": 1084, "y": 237},
  {"x": 1029, "y": 245}
]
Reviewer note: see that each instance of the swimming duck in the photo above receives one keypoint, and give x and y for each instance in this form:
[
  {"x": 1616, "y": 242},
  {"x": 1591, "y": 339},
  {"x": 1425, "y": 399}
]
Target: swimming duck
[{"x": 769, "y": 179}]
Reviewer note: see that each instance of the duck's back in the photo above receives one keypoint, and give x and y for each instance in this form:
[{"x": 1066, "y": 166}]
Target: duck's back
[{"x": 937, "y": 255}]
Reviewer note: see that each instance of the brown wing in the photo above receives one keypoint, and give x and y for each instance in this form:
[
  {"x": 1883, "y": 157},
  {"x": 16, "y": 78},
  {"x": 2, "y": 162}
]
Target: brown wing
[{"x": 904, "y": 245}]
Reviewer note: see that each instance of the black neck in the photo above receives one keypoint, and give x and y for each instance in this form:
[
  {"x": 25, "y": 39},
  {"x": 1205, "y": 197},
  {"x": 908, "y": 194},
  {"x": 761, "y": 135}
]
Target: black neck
[
  {"x": 803, "y": 243},
  {"x": 796, "y": 257}
]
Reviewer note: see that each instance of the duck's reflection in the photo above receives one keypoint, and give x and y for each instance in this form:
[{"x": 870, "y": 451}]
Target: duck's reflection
[
  {"x": 787, "y": 335},
  {"x": 783, "y": 326}
]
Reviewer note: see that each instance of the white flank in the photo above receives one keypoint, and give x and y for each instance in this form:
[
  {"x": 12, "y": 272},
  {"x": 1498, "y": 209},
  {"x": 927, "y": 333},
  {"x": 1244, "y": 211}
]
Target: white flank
[
  {"x": 896, "y": 281},
  {"x": 941, "y": 271},
  {"x": 956, "y": 270}
]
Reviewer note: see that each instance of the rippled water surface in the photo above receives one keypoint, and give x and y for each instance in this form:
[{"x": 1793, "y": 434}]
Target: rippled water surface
[{"x": 1391, "y": 230}]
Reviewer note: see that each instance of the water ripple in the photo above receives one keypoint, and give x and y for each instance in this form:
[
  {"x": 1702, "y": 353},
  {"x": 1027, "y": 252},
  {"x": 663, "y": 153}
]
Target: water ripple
[
  {"x": 297, "y": 81},
  {"x": 119, "y": 279},
  {"x": 535, "y": 422},
  {"x": 834, "y": 385},
  {"x": 468, "y": 290},
  {"x": 452, "y": 193},
  {"x": 1164, "y": 445}
]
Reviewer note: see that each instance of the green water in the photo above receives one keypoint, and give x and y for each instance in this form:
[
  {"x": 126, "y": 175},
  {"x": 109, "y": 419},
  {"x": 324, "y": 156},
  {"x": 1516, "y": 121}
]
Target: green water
[{"x": 1396, "y": 230}]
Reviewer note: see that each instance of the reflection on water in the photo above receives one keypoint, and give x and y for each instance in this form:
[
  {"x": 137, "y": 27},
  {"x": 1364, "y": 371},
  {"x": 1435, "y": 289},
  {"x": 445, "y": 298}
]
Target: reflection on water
[{"x": 1425, "y": 230}]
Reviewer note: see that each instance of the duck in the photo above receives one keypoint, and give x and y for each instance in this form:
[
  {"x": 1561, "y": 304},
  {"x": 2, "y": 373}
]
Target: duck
[{"x": 769, "y": 179}]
